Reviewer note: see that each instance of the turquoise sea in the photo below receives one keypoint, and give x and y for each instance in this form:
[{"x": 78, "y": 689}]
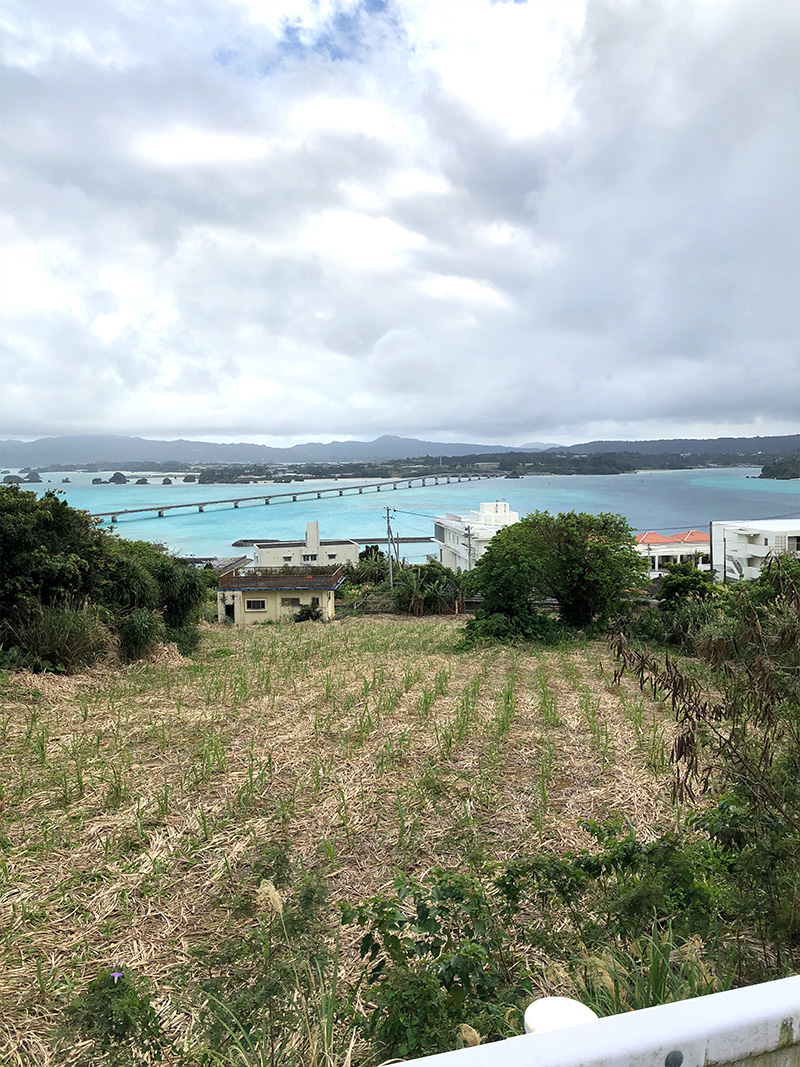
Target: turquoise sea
[{"x": 666, "y": 501}]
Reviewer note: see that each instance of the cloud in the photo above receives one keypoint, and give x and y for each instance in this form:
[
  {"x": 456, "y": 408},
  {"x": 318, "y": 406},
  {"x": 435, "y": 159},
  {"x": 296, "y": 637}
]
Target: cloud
[{"x": 497, "y": 221}]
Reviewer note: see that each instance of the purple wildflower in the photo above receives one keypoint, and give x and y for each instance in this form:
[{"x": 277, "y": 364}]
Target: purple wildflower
[{"x": 116, "y": 975}]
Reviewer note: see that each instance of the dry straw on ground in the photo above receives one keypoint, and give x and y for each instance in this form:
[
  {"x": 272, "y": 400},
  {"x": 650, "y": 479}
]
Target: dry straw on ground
[{"x": 134, "y": 799}]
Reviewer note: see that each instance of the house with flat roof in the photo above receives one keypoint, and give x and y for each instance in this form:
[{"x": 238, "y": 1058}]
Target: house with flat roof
[
  {"x": 462, "y": 539},
  {"x": 312, "y": 551},
  {"x": 662, "y": 549},
  {"x": 740, "y": 548},
  {"x": 275, "y": 594}
]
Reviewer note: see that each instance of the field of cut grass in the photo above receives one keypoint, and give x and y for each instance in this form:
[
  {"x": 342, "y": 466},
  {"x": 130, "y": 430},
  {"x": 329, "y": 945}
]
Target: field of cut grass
[{"x": 137, "y": 805}]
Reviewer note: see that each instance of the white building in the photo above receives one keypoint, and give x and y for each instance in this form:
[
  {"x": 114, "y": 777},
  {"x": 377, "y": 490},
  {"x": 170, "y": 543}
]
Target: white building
[
  {"x": 311, "y": 551},
  {"x": 739, "y": 549},
  {"x": 462, "y": 539},
  {"x": 662, "y": 549}
]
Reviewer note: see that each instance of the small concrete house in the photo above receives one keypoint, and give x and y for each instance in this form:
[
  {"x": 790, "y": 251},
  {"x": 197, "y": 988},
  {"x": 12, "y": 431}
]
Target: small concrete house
[
  {"x": 311, "y": 551},
  {"x": 663, "y": 549},
  {"x": 275, "y": 594}
]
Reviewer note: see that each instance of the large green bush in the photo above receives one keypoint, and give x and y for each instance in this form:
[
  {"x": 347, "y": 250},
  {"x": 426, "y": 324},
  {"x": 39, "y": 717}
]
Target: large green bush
[
  {"x": 140, "y": 630},
  {"x": 429, "y": 589},
  {"x": 587, "y": 565},
  {"x": 57, "y": 636},
  {"x": 70, "y": 590}
]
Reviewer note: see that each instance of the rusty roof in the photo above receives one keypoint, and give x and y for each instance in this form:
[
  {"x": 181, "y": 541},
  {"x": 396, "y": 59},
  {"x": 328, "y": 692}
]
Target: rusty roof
[{"x": 296, "y": 578}]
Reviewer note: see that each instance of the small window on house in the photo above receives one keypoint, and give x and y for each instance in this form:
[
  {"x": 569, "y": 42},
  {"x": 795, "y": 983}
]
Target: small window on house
[
  {"x": 315, "y": 601},
  {"x": 256, "y": 605},
  {"x": 331, "y": 555},
  {"x": 287, "y": 559},
  {"x": 309, "y": 558},
  {"x": 290, "y": 601}
]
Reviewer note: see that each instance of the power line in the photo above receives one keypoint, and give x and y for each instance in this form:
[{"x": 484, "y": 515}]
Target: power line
[
  {"x": 684, "y": 526},
  {"x": 420, "y": 514}
]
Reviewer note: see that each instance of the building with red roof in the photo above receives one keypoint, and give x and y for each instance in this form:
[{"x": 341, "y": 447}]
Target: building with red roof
[{"x": 663, "y": 549}]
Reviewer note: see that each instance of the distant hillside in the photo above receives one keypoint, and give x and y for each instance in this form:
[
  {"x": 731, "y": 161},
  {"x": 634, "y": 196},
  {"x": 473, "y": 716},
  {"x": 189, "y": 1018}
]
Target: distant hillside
[
  {"x": 691, "y": 445},
  {"x": 117, "y": 451},
  {"x": 784, "y": 468}
]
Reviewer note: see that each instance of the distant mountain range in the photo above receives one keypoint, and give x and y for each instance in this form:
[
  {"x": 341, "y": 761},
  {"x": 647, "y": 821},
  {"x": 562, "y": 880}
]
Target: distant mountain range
[
  {"x": 128, "y": 451},
  {"x": 691, "y": 446}
]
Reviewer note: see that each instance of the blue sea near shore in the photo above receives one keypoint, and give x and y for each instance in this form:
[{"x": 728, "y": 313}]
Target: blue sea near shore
[{"x": 666, "y": 501}]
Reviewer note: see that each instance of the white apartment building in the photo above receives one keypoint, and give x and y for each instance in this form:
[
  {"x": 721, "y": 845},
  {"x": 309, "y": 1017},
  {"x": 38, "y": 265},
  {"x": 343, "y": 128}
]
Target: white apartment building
[
  {"x": 462, "y": 539},
  {"x": 738, "y": 549},
  {"x": 312, "y": 551}
]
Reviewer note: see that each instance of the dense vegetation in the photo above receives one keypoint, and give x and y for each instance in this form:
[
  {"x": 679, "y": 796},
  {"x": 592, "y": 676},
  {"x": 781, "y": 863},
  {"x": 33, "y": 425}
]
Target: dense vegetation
[
  {"x": 783, "y": 468},
  {"x": 552, "y": 461},
  {"x": 587, "y": 564},
  {"x": 566, "y": 462},
  {"x": 375, "y": 839},
  {"x": 72, "y": 592}
]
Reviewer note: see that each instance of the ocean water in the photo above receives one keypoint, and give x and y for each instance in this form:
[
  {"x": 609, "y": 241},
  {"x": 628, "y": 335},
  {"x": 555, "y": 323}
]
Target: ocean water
[{"x": 666, "y": 501}]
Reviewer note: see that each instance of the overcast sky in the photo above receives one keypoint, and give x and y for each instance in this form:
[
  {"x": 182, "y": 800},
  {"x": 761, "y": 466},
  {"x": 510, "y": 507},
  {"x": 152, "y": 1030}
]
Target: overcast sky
[{"x": 287, "y": 220}]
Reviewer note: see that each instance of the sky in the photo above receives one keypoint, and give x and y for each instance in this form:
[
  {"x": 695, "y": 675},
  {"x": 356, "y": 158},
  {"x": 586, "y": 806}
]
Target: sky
[{"x": 292, "y": 220}]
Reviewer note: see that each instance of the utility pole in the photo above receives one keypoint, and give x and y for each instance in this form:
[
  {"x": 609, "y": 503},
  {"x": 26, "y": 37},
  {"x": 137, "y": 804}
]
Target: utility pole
[
  {"x": 389, "y": 549},
  {"x": 469, "y": 548}
]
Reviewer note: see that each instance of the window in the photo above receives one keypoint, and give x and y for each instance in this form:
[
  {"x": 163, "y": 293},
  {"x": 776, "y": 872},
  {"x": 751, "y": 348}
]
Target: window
[
  {"x": 287, "y": 559},
  {"x": 290, "y": 601},
  {"x": 331, "y": 555},
  {"x": 315, "y": 601},
  {"x": 309, "y": 558},
  {"x": 256, "y": 605}
]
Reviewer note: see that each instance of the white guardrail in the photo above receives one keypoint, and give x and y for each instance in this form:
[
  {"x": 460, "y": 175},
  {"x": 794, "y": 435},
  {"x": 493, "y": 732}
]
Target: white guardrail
[{"x": 756, "y": 1026}]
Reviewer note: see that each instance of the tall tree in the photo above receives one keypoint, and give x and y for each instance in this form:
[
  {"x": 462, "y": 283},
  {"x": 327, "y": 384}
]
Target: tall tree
[{"x": 587, "y": 563}]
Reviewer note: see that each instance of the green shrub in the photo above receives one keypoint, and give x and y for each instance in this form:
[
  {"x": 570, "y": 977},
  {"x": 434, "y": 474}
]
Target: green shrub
[
  {"x": 308, "y": 613},
  {"x": 484, "y": 628},
  {"x": 187, "y": 638},
  {"x": 140, "y": 630},
  {"x": 683, "y": 581},
  {"x": 411, "y": 1016},
  {"x": 587, "y": 564},
  {"x": 61, "y": 638},
  {"x": 438, "y": 954},
  {"x": 115, "y": 1013},
  {"x": 259, "y": 979},
  {"x": 631, "y": 924},
  {"x": 654, "y": 969},
  {"x": 429, "y": 589}
]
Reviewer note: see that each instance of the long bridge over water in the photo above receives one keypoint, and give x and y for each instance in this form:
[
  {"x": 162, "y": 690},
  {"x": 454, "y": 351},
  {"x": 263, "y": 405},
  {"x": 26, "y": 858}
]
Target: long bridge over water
[{"x": 296, "y": 494}]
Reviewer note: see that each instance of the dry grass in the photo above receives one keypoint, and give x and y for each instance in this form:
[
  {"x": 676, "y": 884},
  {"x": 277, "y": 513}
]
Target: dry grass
[{"x": 131, "y": 800}]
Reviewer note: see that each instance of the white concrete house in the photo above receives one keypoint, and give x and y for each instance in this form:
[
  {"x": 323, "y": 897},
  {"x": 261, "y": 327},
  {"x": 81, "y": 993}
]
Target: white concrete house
[
  {"x": 312, "y": 551},
  {"x": 462, "y": 539},
  {"x": 739, "y": 549},
  {"x": 662, "y": 549}
]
